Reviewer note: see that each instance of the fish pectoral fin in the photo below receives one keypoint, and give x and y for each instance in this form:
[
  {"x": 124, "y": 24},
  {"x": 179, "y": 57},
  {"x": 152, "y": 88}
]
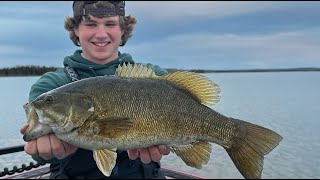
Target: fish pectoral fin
[
  {"x": 112, "y": 127},
  {"x": 194, "y": 154},
  {"x": 105, "y": 160},
  {"x": 114, "y": 123}
]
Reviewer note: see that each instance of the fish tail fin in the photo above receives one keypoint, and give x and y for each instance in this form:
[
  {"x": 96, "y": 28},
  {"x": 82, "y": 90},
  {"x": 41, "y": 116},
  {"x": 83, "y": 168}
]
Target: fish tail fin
[{"x": 249, "y": 147}]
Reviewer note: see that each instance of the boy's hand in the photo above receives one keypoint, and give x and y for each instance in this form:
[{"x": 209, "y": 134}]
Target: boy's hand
[
  {"x": 153, "y": 153},
  {"x": 48, "y": 146}
]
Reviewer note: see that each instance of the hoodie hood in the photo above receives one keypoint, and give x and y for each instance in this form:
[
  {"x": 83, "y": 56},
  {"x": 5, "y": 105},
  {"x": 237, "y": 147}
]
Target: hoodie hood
[{"x": 86, "y": 68}]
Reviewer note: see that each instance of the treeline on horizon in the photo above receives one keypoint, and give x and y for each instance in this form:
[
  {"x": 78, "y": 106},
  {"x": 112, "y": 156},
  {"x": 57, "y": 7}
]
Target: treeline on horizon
[
  {"x": 30, "y": 70},
  {"x": 33, "y": 70}
]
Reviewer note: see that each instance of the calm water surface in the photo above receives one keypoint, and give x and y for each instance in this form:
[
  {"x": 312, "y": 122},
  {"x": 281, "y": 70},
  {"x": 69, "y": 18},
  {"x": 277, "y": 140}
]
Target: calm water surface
[{"x": 286, "y": 102}]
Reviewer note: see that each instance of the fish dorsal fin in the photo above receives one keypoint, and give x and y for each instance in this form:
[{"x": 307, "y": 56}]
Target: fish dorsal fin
[
  {"x": 202, "y": 88},
  {"x": 135, "y": 71},
  {"x": 195, "y": 154},
  {"x": 105, "y": 160}
]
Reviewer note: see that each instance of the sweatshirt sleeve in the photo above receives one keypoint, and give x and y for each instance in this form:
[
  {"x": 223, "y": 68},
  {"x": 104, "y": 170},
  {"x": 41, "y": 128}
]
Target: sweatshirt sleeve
[
  {"x": 47, "y": 82},
  {"x": 160, "y": 71}
]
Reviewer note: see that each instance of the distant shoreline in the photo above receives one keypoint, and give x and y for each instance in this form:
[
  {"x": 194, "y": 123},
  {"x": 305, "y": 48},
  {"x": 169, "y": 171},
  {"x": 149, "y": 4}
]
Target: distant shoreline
[
  {"x": 22, "y": 71},
  {"x": 247, "y": 70}
]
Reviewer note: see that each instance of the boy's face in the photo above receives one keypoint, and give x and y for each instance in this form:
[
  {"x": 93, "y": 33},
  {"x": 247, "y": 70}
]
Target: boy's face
[{"x": 100, "y": 38}]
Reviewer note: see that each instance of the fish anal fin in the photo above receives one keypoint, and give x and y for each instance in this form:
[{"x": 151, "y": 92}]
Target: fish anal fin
[
  {"x": 105, "y": 160},
  {"x": 199, "y": 86},
  {"x": 195, "y": 154}
]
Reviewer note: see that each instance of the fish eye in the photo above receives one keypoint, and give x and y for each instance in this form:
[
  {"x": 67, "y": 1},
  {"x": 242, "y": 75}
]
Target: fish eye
[{"x": 48, "y": 99}]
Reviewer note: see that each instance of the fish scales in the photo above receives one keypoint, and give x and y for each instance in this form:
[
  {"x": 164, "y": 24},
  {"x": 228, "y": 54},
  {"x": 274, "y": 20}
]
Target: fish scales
[{"x": 153, "y": 115}]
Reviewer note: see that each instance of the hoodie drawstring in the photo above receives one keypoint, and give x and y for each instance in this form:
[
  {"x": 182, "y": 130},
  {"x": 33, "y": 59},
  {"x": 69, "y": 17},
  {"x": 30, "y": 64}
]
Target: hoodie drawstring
[{"x": 92, "y": 70}]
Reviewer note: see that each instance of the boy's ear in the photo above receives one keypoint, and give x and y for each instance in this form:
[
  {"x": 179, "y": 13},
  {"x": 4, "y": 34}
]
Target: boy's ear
[{"x": 76, "y": 32}]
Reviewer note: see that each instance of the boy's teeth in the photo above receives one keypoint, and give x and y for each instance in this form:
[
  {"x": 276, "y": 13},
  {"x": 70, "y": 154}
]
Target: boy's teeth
[{"x": 101, "y": 44}]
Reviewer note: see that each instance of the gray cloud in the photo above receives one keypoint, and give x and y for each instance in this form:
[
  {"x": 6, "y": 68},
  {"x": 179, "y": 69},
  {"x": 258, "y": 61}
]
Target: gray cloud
[
  {"x": 179, "y": 10},
  {"x": 286, "y": 49},
  {"x": 9, "y": 49},
  {"x": 175, "y": 34}
]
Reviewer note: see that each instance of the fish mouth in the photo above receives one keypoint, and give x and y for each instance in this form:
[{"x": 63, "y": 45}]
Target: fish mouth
[
  {"x": 36, "y": 130},
  {"x": 36, "y": 127},
  {"x": 39, "y": 114}
]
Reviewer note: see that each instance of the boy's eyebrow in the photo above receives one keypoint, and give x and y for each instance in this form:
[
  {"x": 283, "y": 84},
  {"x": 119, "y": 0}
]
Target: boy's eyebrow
[
  {"x": 89, "y": 20},
  {"x": 93, "y": 21}
]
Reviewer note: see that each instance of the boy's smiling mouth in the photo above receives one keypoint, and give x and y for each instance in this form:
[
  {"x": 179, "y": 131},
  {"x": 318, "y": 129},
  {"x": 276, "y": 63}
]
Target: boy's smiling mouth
[{"x": 101, "y": 44}]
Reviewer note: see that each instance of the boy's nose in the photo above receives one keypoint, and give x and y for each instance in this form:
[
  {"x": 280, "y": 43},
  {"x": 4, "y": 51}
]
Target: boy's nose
[{"x": 101, "y": 33}]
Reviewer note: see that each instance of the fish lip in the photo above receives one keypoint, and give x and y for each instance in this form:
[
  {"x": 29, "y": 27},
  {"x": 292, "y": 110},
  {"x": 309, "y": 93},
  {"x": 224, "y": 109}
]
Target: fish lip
[
  {"x": 26, "y": 106},
  {"x": 25, "y": 138},
  {"x": 36, "y": 130}
]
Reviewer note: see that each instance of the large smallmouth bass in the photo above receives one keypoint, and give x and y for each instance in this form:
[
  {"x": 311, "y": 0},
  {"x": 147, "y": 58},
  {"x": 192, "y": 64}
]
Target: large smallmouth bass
[{"x": 136, "y": 109}]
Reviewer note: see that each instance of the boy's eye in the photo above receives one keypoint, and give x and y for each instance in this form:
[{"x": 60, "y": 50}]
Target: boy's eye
[
  {"x": 90, "y": 24},
  {"x": 110, "y": 24}
]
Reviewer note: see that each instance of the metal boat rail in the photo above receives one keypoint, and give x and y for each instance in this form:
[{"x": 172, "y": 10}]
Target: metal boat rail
[{"x": 42, "y": 170}]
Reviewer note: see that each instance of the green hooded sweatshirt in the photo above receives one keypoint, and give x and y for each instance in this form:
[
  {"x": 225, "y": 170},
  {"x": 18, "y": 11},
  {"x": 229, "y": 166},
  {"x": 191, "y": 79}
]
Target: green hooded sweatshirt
[{"x": 85, "y": 69}]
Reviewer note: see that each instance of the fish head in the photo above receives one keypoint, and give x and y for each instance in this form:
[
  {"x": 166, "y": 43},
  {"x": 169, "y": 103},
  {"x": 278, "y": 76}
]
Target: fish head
[
  {"x": 35, "y": 129},
  {"x": 62, "y": 111}
]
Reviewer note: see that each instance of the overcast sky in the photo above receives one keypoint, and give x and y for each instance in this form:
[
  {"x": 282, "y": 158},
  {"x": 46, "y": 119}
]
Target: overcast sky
[{"x": 191, "y": 34}]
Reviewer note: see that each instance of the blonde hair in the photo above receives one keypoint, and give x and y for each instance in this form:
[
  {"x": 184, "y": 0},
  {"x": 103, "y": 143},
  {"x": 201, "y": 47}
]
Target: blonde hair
[{"x": 127, "y": 24}]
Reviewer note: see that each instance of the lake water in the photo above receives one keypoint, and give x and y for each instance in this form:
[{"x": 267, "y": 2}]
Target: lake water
[{"x": 286, "y": 102}]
